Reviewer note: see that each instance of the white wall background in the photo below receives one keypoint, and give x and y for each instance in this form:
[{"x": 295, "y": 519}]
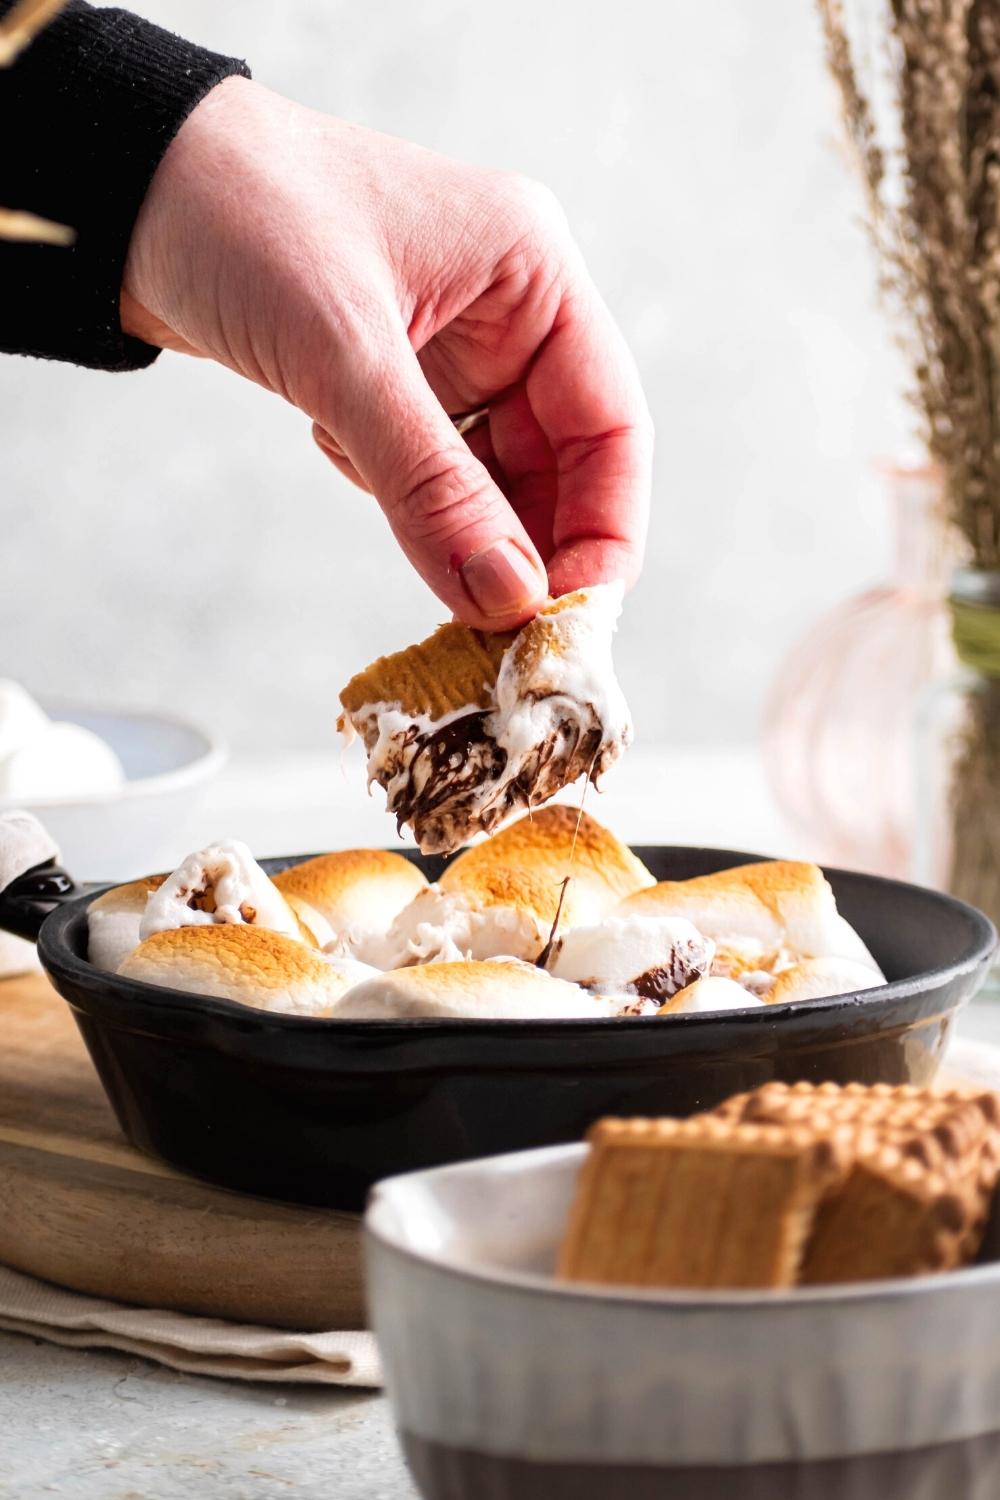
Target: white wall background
[{"x": 171, "y": 538}]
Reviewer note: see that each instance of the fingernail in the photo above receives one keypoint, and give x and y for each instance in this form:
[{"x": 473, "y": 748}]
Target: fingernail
[{"x": 501, "y": 580}]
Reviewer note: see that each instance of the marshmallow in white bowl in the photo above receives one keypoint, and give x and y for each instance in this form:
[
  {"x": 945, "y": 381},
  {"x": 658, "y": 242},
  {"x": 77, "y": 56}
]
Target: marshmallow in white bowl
[
  {"x": 150, "y": 804},
  {"x": 41, "y": 757}
]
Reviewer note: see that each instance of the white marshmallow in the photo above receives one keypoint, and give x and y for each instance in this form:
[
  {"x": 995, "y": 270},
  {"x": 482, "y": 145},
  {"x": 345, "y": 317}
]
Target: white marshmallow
[
  {"x": 492, "y": 990},
  {"x": 40, "y": 759},
  {"x": 616, "y": 954},
  {"x": 531, "y": 704},
  {"x": 350, "y": 969},
  {"x": 240, "y": 890},
  {"x": 21, "y": 718},
  {"x": 446, "y": 927},
  {"x": 818, "y": 978},
  {"x": 713, "y": 993},
  {"x": 113, "y": 923}
]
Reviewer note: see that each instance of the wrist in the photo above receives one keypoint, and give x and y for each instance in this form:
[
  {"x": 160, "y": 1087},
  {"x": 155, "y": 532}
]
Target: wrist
[{"x": 185, "y": 193}]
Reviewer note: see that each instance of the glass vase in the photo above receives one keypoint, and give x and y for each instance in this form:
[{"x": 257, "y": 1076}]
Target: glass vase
[
  {"x": 839, "y": 736},
  {"x": 958, "y": 756}
]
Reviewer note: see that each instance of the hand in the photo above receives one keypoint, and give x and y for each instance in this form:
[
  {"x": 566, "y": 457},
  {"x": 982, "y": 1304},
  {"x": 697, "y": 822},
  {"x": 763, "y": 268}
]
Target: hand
[{"x": 380, "y": 287}]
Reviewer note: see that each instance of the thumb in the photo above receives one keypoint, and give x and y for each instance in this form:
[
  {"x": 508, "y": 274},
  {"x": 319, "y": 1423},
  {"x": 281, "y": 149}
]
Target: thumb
[{"x": 454, "y": 524}]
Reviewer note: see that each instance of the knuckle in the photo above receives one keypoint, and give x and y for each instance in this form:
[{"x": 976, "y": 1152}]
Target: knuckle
[
  {"x": 533, "y": 202},
  {"x": 441, "y": 495}
]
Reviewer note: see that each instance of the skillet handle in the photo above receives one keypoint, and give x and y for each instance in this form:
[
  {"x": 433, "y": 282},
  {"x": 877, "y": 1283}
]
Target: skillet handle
[{"x": 27, "y": 901}]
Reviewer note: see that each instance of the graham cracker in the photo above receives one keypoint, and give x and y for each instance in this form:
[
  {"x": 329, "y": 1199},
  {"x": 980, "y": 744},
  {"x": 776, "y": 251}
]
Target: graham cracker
[
  {"x": 454, "y": 668},
  {"x": 939, "y": 1128},
  {"x": 892, "y": 1216},
  {"x": 790, "y": 1183},
  {"x": 697, "y": 1203},
  {"x": 918, "y": 1195}
]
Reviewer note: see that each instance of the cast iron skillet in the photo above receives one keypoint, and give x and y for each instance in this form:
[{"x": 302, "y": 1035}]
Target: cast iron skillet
[{"x": 317, "y": 1110}]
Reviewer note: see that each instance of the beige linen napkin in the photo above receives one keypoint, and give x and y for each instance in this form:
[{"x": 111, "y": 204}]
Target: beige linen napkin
[{"x": 199, "y": 1346}]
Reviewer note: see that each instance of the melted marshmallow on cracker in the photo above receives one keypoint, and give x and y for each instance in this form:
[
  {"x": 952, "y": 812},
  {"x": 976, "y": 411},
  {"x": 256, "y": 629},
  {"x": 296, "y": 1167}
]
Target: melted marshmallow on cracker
[{"x": 464, "y": 729}]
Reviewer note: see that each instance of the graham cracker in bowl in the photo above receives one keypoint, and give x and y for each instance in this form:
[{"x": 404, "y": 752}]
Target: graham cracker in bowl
[
  {"x": 697, "y": 1203},
  {"x": 788, "y": 1185}
]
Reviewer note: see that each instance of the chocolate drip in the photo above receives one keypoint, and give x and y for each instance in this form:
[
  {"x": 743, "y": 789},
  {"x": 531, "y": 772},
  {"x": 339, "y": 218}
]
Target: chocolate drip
[
  {"x": 544, "y": 958},
  {"x": 452, "y": 784},
  {"x": 686, "y": 963},
  {"x": 446, "y": 775}
]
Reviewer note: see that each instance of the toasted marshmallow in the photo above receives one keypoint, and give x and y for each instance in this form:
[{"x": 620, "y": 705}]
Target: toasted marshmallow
[
  {"x": 351, "y": 970},
  {"x": 649, "y": 956},
  {"x": 42, "y": 759},
  {"x": 464, "y": 728},
  {"x": 218, "y": 885},
  {"x": 114, "y": 919},
  {"x": 258, "y": 967},
  {"x": 314, "y": 929},
  {"x": 357, "y": 893},
  {"x": 747, "y": 959},
  {"x": 761, "y": 915},
  {"x": 549, "y": 845},
  {"x": 816, "y": 978},
  {"x": 497, "y": 912},
  {"x": 495, "y": 990},
  {"x": 440, "y": 928},
  {"x": 710, "y": 993}
]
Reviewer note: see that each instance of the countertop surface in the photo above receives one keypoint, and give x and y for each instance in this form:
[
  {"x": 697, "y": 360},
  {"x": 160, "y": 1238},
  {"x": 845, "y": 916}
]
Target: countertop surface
[
  {"x": 94, "y": 1425},
  {"x": 105, "y": 1426}
]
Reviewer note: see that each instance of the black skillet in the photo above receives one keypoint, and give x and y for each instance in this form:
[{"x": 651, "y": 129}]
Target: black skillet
[{"x": 317, "y": 1110}]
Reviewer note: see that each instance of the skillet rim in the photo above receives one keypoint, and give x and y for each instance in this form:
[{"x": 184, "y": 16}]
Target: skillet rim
[{"x": 60, "y": 961}]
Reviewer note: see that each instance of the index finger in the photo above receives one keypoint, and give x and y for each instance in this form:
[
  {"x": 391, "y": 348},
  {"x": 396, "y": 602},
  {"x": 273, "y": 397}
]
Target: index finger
[{"x": 585, "y": 392}]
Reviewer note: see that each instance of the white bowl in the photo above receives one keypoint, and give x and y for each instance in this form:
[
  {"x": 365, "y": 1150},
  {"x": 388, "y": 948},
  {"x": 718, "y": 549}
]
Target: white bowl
[
  {"x": 140, "y": 827},
  {"x": 508, "y": 1384}
]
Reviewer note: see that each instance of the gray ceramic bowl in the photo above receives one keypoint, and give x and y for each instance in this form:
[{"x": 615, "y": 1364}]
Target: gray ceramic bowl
[
  {"x": 169, "y": 763},
  {"x": 507, "y": 1384}
]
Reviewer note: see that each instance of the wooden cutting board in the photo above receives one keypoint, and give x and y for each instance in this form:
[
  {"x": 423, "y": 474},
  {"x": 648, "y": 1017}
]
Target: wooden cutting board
[{"x": 82, "y": 1208}]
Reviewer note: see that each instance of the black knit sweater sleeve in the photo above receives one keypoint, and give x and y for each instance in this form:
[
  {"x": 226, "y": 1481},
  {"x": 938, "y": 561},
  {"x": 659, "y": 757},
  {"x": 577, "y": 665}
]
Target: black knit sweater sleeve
[{"x": 86, "y": 113}]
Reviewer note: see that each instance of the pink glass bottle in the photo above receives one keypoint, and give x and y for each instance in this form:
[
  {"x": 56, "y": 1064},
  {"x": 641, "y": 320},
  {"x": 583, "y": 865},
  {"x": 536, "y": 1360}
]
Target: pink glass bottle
[{"x": 839, "y": 741}]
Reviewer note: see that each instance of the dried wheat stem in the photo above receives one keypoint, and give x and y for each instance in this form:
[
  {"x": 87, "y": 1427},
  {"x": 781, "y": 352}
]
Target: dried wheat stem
[
  {"x": 15, "y": 225},
  {"x": 930, "y": 166},
  {"x": 22, "y": 24}
]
